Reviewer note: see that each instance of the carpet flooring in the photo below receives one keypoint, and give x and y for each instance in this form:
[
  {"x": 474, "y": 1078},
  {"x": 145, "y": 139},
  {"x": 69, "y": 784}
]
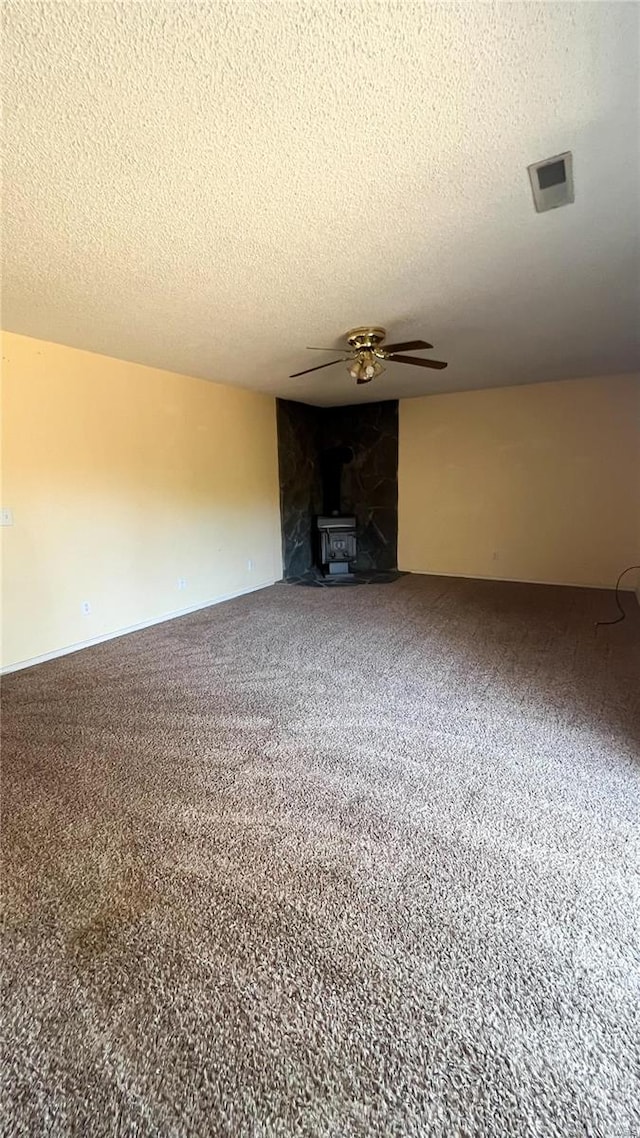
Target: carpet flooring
[{"x": 321, "y": 862}]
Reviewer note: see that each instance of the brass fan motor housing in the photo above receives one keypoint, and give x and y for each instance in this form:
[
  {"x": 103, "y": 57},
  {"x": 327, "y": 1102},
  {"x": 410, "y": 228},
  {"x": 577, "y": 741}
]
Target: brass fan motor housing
[{"x": 366, "y": 340}]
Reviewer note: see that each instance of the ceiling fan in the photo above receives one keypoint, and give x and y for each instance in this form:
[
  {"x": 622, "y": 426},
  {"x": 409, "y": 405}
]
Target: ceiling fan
[{"x": 365, "y": 351}]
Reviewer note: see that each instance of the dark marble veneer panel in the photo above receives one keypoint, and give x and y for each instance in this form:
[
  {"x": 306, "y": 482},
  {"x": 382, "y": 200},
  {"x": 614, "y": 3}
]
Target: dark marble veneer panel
[{"x": 369, "y": 481}]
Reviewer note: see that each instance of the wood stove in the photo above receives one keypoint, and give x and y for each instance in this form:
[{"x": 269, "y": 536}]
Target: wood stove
[{"x": 338, "y": 547}]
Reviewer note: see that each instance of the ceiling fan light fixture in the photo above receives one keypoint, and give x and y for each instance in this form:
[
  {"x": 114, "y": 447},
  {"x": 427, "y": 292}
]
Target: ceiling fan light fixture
[
  {"x": 365, "y": 351},
  {"x": 365, "y": 367}
]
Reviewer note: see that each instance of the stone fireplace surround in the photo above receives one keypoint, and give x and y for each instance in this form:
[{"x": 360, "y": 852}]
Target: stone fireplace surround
[{"x": 341, "y": 459}]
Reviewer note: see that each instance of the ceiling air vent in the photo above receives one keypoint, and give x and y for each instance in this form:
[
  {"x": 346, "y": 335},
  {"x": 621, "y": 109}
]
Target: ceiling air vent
[{"x": 552, "y": 182}]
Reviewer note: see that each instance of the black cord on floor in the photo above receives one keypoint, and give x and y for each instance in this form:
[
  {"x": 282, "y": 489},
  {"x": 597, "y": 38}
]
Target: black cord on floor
[{"x": 617, "y": 599}]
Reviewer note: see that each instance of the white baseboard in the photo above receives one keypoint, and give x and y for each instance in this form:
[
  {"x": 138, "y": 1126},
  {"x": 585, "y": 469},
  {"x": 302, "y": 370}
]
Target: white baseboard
[
  {"x": 517, "y": 580},
  {"x": 66, "y": 651}
]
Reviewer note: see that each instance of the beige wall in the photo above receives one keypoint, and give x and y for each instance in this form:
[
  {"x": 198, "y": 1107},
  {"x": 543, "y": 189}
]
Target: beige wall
[
  {"x": 123, "y": 479},
  {"x": 535, "y": 483}
]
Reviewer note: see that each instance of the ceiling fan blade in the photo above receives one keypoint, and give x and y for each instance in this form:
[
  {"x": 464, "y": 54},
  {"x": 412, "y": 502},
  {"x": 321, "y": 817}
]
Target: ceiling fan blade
[
  {"x": 322, "y": 349},
  {"x": 308, "y": 369},
  {"x": 417, "y": 362},
  {"x": 410, "y": 346}
]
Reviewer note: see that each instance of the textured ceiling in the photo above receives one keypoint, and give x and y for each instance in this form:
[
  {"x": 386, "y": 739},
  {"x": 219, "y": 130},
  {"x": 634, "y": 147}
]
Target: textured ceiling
[{"x": 209, "y": 187}]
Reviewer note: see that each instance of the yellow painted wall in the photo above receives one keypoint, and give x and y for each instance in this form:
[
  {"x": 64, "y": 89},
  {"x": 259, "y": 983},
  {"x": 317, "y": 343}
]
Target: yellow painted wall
[
  {"x": 123, "y": 479},
  {"x": 533, "y": 483}
]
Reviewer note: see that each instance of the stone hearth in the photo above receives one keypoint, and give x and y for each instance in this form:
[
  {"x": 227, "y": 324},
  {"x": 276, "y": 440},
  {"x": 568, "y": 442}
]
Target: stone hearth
[{"x": 339, "y": 460}]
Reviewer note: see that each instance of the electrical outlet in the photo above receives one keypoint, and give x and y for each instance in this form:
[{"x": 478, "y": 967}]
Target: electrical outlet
[
  {"x": 86, "y": 608},
  {"x": 6, "y": 516},
  {"x": 249, "y": 566},
  {"x": 182, "y": 583}
]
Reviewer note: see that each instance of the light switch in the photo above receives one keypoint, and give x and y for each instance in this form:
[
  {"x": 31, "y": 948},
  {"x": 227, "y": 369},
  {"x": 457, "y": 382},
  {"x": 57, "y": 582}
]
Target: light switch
[{"x": 6, "y": 516}]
